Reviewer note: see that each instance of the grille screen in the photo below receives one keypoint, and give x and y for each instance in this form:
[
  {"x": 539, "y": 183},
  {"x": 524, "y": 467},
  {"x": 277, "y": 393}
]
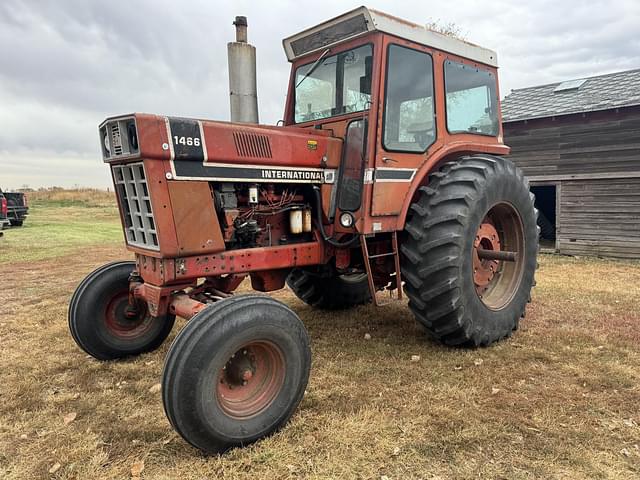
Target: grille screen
[
  {"x": 131, "y": 186},
  {"x": 116, "y": 139}
]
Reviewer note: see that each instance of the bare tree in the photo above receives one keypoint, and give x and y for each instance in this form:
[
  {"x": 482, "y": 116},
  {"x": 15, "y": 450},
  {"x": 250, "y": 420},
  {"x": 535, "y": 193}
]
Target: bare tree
[{"x": 449, "y": 29}]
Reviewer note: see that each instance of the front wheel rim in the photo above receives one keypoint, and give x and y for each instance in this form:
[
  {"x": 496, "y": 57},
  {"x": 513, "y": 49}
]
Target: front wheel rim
[
  {"x": 501, "y": 232},
  {"x": 250, "y": 380},
  {"x": 124, "y": 324}
]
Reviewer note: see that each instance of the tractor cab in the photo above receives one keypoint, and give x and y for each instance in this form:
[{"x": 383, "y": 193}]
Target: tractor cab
[{"x": 403, "y": 98}]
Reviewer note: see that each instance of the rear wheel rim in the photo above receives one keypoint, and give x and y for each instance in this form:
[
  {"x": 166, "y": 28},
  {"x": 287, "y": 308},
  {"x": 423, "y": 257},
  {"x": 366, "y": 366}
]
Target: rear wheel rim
[
  {"x": 497, "y": 281},
  {"x": 250, "y": 380}
]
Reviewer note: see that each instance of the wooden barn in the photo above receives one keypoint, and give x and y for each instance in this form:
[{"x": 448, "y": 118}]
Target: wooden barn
[{"x": 578, "y": 143}]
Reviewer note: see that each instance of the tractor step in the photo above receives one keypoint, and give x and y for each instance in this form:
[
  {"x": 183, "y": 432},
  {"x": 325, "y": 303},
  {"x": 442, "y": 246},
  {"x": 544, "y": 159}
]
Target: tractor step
[{"x": 395, "y": 252}]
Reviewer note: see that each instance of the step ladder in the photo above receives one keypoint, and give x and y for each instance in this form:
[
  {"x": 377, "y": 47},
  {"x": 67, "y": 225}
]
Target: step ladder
[{"x": 395, "y": 252}]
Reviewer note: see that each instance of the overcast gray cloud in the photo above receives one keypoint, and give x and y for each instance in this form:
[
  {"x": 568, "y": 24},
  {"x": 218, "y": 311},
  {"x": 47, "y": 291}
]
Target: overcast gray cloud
[{"x": 66, "y": 65}]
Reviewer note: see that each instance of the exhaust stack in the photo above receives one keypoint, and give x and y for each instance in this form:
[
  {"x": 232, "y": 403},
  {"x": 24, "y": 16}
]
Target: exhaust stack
[{"x": 243, "y": 94}]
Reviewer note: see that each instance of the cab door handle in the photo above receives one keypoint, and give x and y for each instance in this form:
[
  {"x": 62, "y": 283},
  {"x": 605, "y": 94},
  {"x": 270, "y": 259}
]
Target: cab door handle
[{"x": 389, "y": 159}]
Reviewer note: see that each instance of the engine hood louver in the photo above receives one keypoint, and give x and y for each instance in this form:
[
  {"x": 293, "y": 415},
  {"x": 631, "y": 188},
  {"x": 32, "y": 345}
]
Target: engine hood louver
[{"x": 252, "y": 145}]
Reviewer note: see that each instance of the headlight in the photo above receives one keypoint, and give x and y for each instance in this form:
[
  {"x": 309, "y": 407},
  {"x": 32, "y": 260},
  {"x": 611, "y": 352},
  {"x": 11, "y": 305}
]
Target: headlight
[{"x": 346, "y": 220}]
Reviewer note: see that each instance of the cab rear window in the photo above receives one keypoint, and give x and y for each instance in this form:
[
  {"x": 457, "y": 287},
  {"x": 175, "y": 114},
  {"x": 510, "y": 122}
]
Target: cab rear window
[{"x": 471, "y": 99}]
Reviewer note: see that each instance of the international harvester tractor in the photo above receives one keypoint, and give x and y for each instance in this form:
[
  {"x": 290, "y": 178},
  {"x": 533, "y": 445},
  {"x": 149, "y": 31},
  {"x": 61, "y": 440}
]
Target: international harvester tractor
[{"x": 386, "y": 174}]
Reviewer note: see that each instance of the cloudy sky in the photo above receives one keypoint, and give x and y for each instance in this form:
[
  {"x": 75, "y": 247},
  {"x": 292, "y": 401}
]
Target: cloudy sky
[{"x": 68, "y": 64}]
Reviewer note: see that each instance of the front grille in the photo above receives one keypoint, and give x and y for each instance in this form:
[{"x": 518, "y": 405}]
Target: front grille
[
  {"x": 252, "y": 145},
  {"x": 119, "y": 138},
  {"x": 133, "y": 193}
]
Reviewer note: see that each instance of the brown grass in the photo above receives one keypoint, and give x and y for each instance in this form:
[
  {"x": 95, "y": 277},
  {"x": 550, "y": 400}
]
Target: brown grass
[
  {"x": 86, "y": 196},
  {"x": 558, "y": 400}
]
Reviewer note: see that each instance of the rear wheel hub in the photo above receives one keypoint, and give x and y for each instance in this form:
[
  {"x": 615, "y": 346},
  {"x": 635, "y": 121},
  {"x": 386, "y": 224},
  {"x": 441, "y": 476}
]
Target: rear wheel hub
[
  {"x": 501, "y": 234},
  {"x": 484, "y": 270}
]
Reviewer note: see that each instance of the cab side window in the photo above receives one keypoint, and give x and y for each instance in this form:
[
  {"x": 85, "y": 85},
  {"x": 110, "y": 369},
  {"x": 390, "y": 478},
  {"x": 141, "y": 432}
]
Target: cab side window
[{"x": 409, "y": 109}]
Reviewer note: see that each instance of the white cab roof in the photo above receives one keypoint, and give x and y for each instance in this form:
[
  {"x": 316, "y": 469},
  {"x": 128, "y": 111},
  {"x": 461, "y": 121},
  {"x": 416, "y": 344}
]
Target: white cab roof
[{"x": 363, "y": 20}]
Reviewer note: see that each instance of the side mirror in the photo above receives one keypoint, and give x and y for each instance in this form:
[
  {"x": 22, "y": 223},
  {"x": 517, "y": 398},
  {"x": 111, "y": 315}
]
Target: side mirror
[
  {"x": 365, "y": 85},
  {"x": 365, "y": 80}
]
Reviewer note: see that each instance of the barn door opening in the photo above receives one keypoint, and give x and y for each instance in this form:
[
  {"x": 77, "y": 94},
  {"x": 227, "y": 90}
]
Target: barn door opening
[{"x": 546, "y": 203}]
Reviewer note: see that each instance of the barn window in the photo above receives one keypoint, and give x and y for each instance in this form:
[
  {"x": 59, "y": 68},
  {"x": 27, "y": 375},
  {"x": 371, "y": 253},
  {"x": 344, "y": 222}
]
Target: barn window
[
  {"x": 409, "y": 109},
  {"x": 472, "y": 101}
]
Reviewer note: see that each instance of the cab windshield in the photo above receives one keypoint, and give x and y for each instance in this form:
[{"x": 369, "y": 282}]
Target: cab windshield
[{"x": 339, "y": 84}]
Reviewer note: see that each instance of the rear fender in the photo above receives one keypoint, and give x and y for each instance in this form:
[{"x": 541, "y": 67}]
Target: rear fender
[{"x": 450, "y": 152}]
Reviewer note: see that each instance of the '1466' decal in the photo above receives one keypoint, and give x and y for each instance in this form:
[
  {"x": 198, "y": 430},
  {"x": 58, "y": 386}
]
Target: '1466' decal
[{"x": 189, "y": 141}]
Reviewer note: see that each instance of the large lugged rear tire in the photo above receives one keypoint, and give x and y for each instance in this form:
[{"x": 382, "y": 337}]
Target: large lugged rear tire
[
  {"x": 474, "y": 205},
  {"x": 100, "y": 323},
  {"x": 329, "y": 292},
  {"x": 236, "y": 372}
]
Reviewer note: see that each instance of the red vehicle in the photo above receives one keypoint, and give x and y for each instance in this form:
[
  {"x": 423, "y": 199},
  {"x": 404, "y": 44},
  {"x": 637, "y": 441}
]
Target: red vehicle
[
  {"x": 386, "y": 175},
  {"x": 4, "y": 213}
]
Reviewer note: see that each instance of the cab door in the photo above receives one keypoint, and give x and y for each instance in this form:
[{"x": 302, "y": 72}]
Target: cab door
[{"x": 407, "y": 130}]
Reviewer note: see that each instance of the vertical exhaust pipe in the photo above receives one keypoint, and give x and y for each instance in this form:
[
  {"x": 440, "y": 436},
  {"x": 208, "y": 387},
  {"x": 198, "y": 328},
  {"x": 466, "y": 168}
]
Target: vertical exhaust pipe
[{"x": 243, "y": 94}]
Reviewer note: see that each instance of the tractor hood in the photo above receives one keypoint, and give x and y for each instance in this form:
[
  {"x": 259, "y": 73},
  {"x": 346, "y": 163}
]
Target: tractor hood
[{"x": 223, "y": 151}]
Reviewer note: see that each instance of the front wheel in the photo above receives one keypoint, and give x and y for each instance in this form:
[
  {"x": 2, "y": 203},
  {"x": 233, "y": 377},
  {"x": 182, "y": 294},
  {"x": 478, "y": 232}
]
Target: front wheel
[
  {"x": 470, "y": 252},
  {"x": 236, "y": 372},
  {"x": 102, "y": 322}
]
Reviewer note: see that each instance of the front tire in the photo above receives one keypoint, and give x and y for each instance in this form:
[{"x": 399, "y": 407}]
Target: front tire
[
  {"x": 476, "y": 204},
  {"x": 99, "y": 321},
  {"x": 16, "y": 223},
  {"x": 236, "y": 372}
]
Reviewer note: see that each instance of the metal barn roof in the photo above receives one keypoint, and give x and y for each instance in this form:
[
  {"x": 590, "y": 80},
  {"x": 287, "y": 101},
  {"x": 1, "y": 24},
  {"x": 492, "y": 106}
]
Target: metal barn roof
[
  {"x": 363, "y": 20},
  {"x": 603, "y": 92}
]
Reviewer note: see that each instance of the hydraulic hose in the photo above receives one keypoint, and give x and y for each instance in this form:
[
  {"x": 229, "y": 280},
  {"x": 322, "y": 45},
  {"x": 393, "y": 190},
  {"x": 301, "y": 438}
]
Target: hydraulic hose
[{"x": 325, "y": 237}]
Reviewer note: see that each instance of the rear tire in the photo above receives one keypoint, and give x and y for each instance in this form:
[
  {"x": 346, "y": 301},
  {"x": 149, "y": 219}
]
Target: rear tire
[
  {"x": 97, "y": 318},
  {"x": 329, "y": 292},
  {"x": 236, "y": 372},
  {"x": 477, "y": 203}
]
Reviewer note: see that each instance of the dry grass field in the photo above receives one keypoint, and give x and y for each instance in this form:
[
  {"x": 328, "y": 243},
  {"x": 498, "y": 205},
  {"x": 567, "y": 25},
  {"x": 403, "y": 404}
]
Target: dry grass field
[{"x": 559, "y": 400}]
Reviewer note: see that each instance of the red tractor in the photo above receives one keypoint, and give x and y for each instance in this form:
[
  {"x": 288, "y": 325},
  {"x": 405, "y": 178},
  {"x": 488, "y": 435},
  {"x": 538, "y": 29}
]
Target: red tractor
[{"x": 386, "y": 175}]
